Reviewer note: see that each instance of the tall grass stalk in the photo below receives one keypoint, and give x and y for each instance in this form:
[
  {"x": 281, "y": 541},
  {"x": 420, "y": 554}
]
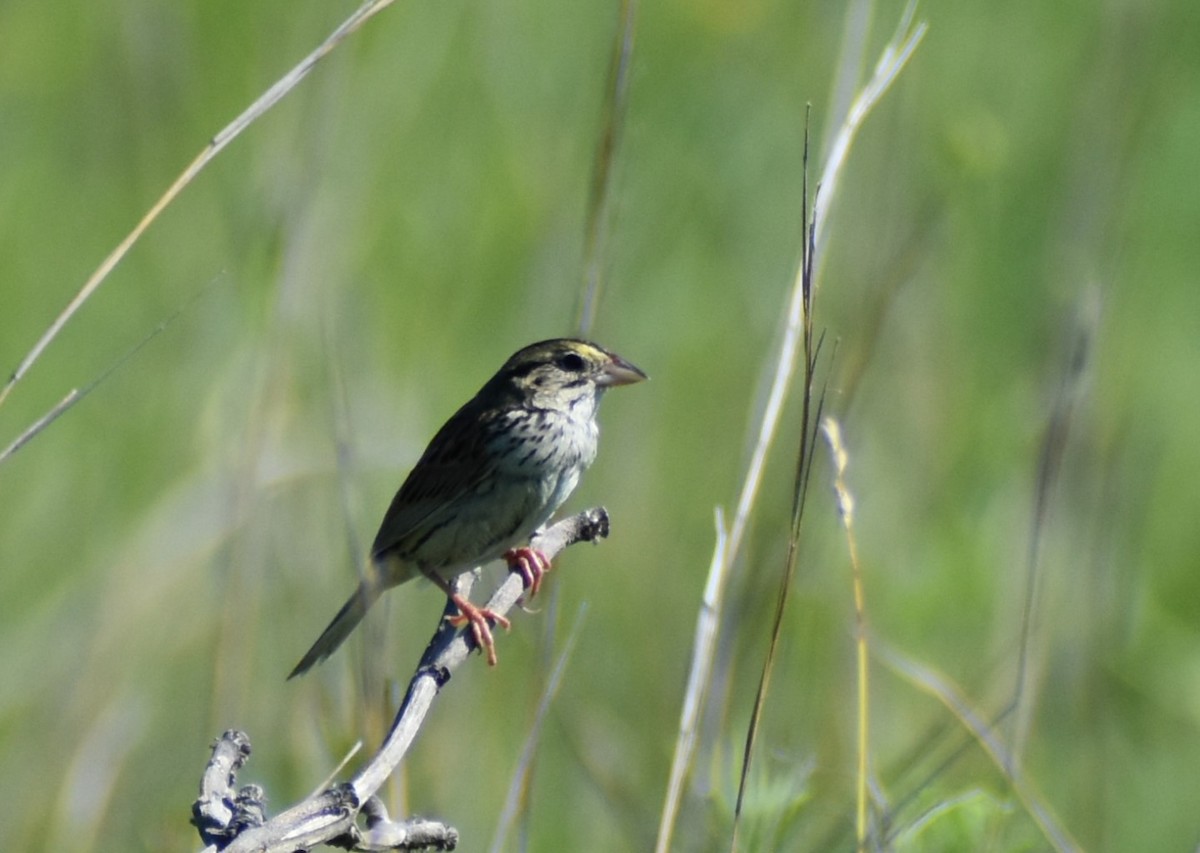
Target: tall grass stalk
[
  {"x": 940, "y": 687},
  {"x": 616, "y": 105},
  {"x": 837, "y": 450},
  {"x": 230, "y": 132},
  {"x": 892, "y": 60},
  {"x": 518, "y": 788},
  {"x": 704, "y": 647}
]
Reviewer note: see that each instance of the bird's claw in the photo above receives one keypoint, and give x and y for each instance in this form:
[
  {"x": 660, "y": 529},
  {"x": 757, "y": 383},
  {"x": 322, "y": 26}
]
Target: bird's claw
[
  {"x": 531, "y": 564},
  {"x": 481, "y": 629}
]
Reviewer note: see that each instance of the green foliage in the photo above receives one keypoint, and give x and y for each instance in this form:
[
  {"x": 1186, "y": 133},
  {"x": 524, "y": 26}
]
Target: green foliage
[
  {"x": 970, "y": 821},
  {"x": 356, "y": 265}
]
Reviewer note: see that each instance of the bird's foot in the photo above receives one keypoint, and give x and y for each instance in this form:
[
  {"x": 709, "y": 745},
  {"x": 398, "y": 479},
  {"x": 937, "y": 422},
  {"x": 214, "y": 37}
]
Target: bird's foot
[
  {"x": 531, "y": 564},
  {"x": 480, "y": 619}
]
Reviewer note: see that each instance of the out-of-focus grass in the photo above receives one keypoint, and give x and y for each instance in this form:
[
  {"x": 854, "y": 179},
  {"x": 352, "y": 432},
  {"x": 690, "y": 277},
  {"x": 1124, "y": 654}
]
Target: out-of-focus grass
[{"x": 413, "y": 214}]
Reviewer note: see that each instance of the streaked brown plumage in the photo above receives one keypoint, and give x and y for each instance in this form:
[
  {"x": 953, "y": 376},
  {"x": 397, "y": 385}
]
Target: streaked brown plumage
[{"x": 493, "y": 474}]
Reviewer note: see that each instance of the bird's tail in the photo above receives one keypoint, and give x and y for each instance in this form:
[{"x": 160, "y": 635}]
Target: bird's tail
[{"x": 339, "y": 629}]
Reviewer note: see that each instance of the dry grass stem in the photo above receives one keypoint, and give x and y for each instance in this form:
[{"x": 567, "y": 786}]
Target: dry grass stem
[
  {"x": 519, "y": 787},
  {"x": 704, "y": 647},
  {"x": 891, "y": 62},
  {"x": 616, "y": 105},
  {"x": 837, "y": 452},
  {"x": 1054, "y": 444},
  {"x": 940, "y": 687},
  {"x": 230, "y": 132},
  {"x": 799, "y": 333}
]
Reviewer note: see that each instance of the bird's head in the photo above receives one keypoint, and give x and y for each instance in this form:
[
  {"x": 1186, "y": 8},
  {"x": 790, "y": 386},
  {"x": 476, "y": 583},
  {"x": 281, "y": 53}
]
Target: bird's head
[{"x": 561, "y": 373}]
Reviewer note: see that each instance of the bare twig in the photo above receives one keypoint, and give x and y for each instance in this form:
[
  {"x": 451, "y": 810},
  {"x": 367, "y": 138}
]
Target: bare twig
[
  {"x": 331, "y": 816},
  {"x": 219, "y": 811}
]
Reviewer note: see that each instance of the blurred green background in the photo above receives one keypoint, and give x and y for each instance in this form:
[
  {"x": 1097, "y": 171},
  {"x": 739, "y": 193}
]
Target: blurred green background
[{"x": 355, "y": 266}]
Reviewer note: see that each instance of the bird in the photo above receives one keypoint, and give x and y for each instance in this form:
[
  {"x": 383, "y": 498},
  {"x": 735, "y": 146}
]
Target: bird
[{"x": 492, "y": 476}]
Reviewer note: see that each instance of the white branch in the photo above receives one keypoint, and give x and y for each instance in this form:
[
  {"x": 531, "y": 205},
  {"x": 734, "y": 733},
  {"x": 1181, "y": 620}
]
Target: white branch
[{"x": 232, "y": 820}]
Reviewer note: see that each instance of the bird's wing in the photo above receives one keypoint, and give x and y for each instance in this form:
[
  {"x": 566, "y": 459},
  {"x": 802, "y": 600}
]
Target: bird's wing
[{"x": 455, "y": 467}]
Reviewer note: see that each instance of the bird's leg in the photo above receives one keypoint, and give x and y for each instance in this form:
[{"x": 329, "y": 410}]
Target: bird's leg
[
  {"x": 531, "y": 564},
  {"x": 478, "y": 617}
]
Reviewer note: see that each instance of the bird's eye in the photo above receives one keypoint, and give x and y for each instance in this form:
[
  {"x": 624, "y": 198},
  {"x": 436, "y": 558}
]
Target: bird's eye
[{"x": 572, "y": 362}]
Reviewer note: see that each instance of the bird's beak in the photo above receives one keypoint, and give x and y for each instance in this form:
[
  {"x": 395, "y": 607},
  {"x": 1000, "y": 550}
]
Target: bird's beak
[{"x": 619, "y": 372}]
